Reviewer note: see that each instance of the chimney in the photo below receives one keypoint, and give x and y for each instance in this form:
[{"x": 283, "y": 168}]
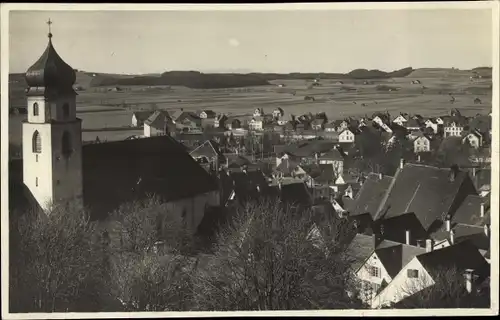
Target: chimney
[
  {"x": 429, "y": 244},
  {"x": 419, "y": 243},
  {"x": 401, "y": 163},
  {"x": 380, "y": 176},
  {"x": 408, "y": 237},
  {"x": 473, "y": 171},
  {"x": 448, "y": 223},
  {"x": 482, "y": 209},
  {"x": 452, "y": 237},
  {"x": 469, "y": 277}
]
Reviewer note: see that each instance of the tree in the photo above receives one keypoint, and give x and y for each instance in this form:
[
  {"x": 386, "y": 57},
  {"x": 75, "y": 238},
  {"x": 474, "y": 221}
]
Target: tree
[
  {"x": 263, "y": 261},
  {"x": 147, "y": 257},
  {"x": 453, "y": 151},
  {"x": 447, "y": 291},
  {"x": 58, "y": 263}
]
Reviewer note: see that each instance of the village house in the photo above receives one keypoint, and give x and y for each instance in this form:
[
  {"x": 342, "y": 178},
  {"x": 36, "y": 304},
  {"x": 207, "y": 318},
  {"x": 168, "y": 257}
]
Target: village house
[
  {"x": 341, "y": 125},
  {"x": 425, "y": 269},
  {"x": 430, "y": 123},
  {"x": 422, "y": 143},
  {"x": 139, "y": 117},
  {"x": 207, "y": 118},
  {"x": 346, "y": 136},
  {"x": 454, "y": 127},
  {"x": 159, "y": 123},
  {"x": 383, "y": 265},
  {"x": 220, "y": 121},
  {"x": 317, "y": 124},
  {"x": 278, "y": 113},
  {"x": 400, "y": 120},
  {"x": 413, "y": 125},
  {"x": 419, "y": 198},
  {"x": 209, "y": 156},
  {"x": 330, "y": 127},
  {"x": 474, "y": 139},
  {"x": 259, "y": 112},
  {"x": 255, "y": 124}
]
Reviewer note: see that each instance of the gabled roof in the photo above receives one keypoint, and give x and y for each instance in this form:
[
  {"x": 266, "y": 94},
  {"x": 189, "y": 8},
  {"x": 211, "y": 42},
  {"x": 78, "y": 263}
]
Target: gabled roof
[
  {"x": 413, "y": 123},
  {"x": 208, "y": 149},
  {"x": 469, "y": 211},
  {"x": 158, "y": 119},
  {"x": 333, "y": 154},
  {"x": 309, "y": 148},
  {"x": 458, "y": 120},
  {"x": 462, "y": 256},
  {"x": 121, "y": 171},
  {"x": 481, "y": 123},
  {"x": 426, "y": 191},
  {"x": 322, "y": 173},
  {"x": 248, "y": 184},
  {"x": 143, "y": 115},
  {"x": 210, "y": 113},
  {"x": 360, "y": 249},
  {"x": 395, "y": 257},
  {"x": 370, "y": 195}
]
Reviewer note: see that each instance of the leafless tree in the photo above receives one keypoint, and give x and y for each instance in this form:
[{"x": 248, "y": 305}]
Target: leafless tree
[
  {"x": 264, "y": 261},
  {"x": 57, "y": 263}
]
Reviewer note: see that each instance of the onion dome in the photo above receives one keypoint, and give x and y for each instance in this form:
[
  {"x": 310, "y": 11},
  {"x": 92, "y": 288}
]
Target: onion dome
[{"x": 50, "y": 71}]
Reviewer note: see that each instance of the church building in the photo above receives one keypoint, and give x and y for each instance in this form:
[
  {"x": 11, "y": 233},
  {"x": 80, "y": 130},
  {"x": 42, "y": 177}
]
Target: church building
[{"x": 56, "y": 167}]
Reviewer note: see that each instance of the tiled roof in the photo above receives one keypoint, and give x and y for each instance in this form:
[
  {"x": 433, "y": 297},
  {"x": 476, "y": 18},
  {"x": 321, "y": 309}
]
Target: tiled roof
[
  {"x": 413, "y": 123},
  {"x": 395, "y": 256},
  {"x": 322, "y": 173},
  {"x": 462, "y": 256},
  {"x": 143, "y": 115},
  {"x": 158, "y": 119},
  {"x": 360, "y": 249},
  {"x": 308, "y": 148},
  {"x": 370, "y": 195},
  {"x": 426, "y": 191},
  {"x": 469, "y": 211},
  {"x": 248, "y": 184},
  {"x": 120, "y": 171}
]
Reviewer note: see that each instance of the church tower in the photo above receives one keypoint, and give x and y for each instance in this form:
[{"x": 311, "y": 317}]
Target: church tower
[{"x": 52, "y": 135}]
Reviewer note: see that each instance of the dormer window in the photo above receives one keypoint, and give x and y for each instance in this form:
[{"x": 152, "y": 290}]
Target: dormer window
[{"x": 36, "y": 110}]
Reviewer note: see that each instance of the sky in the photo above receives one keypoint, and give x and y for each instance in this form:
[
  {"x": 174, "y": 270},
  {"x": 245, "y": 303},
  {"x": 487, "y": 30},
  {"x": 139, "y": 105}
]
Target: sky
[{"x": 139, "y": 42}]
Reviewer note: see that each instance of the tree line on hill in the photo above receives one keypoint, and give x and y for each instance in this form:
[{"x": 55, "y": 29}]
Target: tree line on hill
[{"x": 198, "y": 80}]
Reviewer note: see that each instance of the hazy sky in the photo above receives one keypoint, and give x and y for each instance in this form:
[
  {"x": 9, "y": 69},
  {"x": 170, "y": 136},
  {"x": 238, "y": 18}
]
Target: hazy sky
[{"x": 260, "y": 41}]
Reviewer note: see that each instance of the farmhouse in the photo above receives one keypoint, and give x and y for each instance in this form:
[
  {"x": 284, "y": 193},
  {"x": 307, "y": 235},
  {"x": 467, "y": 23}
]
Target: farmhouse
[
  {"x": 422, "y": 144},
  {"x": 56, "y": 167},
  {"x": 424, "y": 270},
  {"x": 255, "y": 124},
  {"x": 259, "y": 112},
  {"x": 400, "y": 120},
  {"x": 139, "y": 117},
  {"x": 220, "y": 121},
  {"x": 383, "y": 265},
  {"x": 474, "y": 139},
  {"x": 159, "y": 123},
  {"x": 346, "y": 136}
]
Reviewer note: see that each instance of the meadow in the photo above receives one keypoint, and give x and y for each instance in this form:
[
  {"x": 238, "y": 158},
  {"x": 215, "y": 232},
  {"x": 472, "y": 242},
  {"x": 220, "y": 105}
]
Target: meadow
[{"x": 107, "y": 113}]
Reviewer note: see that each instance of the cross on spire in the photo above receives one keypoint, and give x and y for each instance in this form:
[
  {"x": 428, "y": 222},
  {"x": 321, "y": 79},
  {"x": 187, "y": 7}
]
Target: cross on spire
[{"x": 49, "y": 22}]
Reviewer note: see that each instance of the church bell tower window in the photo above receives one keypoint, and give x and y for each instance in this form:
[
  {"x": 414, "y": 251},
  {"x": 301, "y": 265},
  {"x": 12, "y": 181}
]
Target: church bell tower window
[
  {"x": 36, "y": 110},
  {"x": 37, "y": 142}
]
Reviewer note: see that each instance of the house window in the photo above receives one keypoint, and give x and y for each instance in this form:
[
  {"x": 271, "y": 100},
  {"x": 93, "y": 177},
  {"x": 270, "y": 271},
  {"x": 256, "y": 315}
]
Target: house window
[
  {"x": 412, "y": 273},
  {"x": 65, "y": 110},
  {"x": 374, "y": 271},
  {"x": 37, "y": 142},
  {"x": 66, "y": 144},
  {"x": 36, "y": 110}
]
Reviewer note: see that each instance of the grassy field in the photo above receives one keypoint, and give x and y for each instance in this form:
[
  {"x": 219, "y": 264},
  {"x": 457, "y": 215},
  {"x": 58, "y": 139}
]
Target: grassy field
[{"x": 101, "y": 109}]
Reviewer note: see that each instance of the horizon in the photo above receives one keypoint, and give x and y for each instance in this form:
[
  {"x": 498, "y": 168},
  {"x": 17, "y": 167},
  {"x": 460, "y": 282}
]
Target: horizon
[{"x": 132, "y": 42}]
